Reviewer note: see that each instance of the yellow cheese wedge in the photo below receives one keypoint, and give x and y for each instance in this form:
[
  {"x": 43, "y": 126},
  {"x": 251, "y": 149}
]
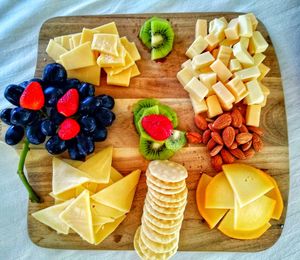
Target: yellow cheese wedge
[
  {"x": 66, "y": 177},
  {"x": 119, "y": 195},
  {"x": 50, "y": 217},
  {"x": 98, "y": 166},
  {"x": 109, "y": 28},
  {"x": 107, "y": 60},
  {"x": 134, "y": 71},
  {"x": 89, "y": 74},
  {"x": 107, "y": 229},
  {"x": 121, "y": 79},
  {"x": 255, "y": 214},
  {"x": 247, "y": 183},
  {"x": 97, "y": 228},
  {"x": 65, "y": 195},
  {"x": 99, "y": 209},
  {"x": 101, "y": 186},
  {"x": 78, "y": 216},
  {"x": 99, "y": 221},
  {"x": 116, "y": 70},
  {"x": 54, "y": 50},
  {"x": 79, "y": 57},
  {"x": 105, "y": 43},
  {"x": 226, "y": 227},
  {"x": 91, "y": 186},
  {"x": 79, "y": 190},
  {"x": 219, "y": 194},
  {"x": 131, "y": 48},
  {"x": 115, "y": 175},
  {"x": 87, "y": 35},
  {"x": 74, "y": 163},
  {"x": 211, "y": 216}
]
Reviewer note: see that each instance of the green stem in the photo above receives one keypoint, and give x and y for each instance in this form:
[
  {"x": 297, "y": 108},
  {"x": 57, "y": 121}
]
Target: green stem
[{"x": 32, "y": 195}]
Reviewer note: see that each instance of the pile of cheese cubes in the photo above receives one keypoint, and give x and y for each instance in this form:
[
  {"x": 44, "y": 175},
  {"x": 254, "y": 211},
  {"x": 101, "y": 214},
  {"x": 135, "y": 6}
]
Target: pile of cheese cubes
[
  {"x": 84, "y": 54},
  {"x": 225, "y": 67}
]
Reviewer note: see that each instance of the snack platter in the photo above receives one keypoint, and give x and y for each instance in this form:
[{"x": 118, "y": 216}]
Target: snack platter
[{"x": 158, "y": 80}]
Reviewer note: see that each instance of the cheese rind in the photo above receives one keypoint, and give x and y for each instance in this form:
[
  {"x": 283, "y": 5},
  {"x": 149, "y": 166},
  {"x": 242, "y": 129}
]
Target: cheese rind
[
  {"x": 213, "y": 106},
  {"x": 253, "y": 115},
  {"x": 222, "y": 71},
  {"x": 201, "y": 28},
  {"x": 197, "y": 47},
  {"x": 202, "y": 60},
  {"x": 196, "y": 88}
]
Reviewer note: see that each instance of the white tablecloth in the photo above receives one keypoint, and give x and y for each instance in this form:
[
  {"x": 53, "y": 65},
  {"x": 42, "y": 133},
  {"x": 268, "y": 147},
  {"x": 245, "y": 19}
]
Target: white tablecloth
[{"x": 20, "y": 21}]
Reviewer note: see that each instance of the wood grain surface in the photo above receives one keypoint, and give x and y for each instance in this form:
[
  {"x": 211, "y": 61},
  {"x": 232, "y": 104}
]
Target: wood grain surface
[{"x": 158, "y": 79}]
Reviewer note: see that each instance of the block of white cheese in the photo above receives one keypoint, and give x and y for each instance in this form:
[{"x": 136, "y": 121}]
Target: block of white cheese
[
  {"x": 256, "y": 95},
  {"x": 217, "y": 27},
  {"x": 257, "y": 43},
  {"x": 197, "y": 47},
  {"x": 232, "y": 30},
  {"x": 253, "y": 115},
  {"x": 184, "y": 76},
  {"x": 258, "y": 58},
  {"x": 234, "y": 65},
  {"x": 196, "y": 88},
  {"x": 224, "y": 95},
  {"x": 244, "y": 42},
  {"x": 202, "y": 60},
  {"x": 248, "y": 73},
  {"x": 245, "y": 26},
  {"x": 213, "y": 106},
  {"x": 201, "y": 28},
  {"x": 209, "y": 78},
  {"x": 199, "y": 106},
  {"x": 188, "y": 64},
  {"x": 253, "y": 20},
  {"x": 242, "y": 54},
  {"x": 224, "y": 54},
  {"x": 222, "y": 71}
]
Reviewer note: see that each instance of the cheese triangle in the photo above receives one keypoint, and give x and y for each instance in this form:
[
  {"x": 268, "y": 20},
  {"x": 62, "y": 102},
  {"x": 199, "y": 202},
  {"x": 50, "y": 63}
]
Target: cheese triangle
[
  {"x": 78, "y": 216},
  {"x": 107, "y": 229},
  {"x": 120, "y": 194},
  {"x": 99, "y": 209},
  {"x": 65, "y": 176},
  {"x": 66, "y": 195},
  {"x": 99, "y": 220},
  {"x": 50, "y": 217},
  {"x": 115, "y": 175},
  {"x": 98, "y": 167},
  {"x": 211, "y": 216},
  {"x": 247, "y": 183},
  {"x": 73, "y": 163}
]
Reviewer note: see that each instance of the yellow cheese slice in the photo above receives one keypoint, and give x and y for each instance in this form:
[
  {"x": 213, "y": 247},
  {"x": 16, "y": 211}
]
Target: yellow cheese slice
[
  {"x": 97, "y": 228},
  {"x": 71, "y": 43},
  {"x": 65, "y": 41},
  {"x": 91, "y": 186},
  {"x": 66, "y": 177},
  {"x": 255, "y": 214},
  {"x": 79, "y": 57},
  {"x": 122, "y": 79},
  {"x": 66, "y": 195},
  {"x": 58, "y": 39},
  {"x": 107, "y": 60},
  {"x": 50, "y": 217},
  {"x": 74, "y": 163},
  {"x": 115, "y": 175},
  {"x": 128, "y": 63},
  {"x": 98, "y": 167},
  {"x": 211, "y": 216},
  {"x": 99, "y": 209},
  {"x": 134, "y": 71},
  {"x": 131, "y": 48},
  {"x": 78, "y": 216},
  {"x": 101, "y": 186},
  {"x": 87, "y": 35},
  {"x": 99, "y": 220},
  {"x": 219, "y": 194},
  {"x": 54, "y": 50},
  {"x": 226, "y": 227},
  {"x": 91, "y": 74},
  {"x": 109, "y": 28},
  {"x": 107, "y": 229},
  {"x": 105, "y": 43},
  {"x": 80, "y": 189},
  {"x": 247, "y": 183},
  {"x": 76, "y": 39},
  {"x": 119, "y": 195}
]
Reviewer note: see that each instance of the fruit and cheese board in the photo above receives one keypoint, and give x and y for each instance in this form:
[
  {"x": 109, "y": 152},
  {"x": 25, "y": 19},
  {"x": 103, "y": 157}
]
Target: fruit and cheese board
[{"x": 163, "y": 189}]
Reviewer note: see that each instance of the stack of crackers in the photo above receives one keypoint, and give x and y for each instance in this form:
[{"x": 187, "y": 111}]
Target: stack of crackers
[{"x": 158, "y": 236}]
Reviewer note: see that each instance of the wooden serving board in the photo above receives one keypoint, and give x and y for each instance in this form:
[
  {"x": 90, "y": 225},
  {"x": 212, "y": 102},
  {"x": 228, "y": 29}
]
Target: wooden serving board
[{"x": 158, "y": 80}]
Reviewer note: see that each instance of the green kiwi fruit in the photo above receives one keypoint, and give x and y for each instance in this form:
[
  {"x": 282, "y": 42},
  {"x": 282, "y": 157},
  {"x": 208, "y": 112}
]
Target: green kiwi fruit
[
  {"x": 154, "y": 110},
  {"x": 152, "y": 150},
  {"x": 176, "y": 141},
  {"x": 169, "y": 113},
  {"x": 163, "y": 37},
  {"x": 144, "y": 103}
]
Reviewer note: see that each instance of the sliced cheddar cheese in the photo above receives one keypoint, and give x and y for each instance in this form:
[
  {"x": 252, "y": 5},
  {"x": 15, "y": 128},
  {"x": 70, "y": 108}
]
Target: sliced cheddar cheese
[
  {"x": 99, "y": 209},
  {"x": 105, "y": 43},
  {"x": 54, "y": 50},
  {"x": 89, "y": 74},
  {"x": 115, "y": 175}
]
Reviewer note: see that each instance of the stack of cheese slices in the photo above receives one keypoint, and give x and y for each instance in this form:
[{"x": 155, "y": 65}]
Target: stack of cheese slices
[{"x": 158, "y": 236}]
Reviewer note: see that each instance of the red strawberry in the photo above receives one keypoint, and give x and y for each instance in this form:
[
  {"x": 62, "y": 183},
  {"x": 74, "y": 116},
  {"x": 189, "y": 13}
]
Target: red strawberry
[
  {"x": 68, "y": 104},
  {"x": 159, "y": 127},
  {"x": 68, "y": 129},
  {"x": 33, "y": 97}
]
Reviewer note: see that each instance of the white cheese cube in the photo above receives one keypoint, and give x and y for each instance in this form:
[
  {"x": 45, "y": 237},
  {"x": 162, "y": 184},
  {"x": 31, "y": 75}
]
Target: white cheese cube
[
  {"x": 222, "y": 71},
  {"x": 245, "y": 26},
  {"x": 264, "y": 70},
  {"x": 229, "y": 43},
  {"x": 223, "y": 19},
  {"x": 196, "y": 88},
  {"x": 242, "y": 54},
  {"x": 232, "y": 30},
  {"x": 213, "y": 106},
  {"x": 202, "y": 60},
  {"x": 253, "y": 115},
  {"x": 255, "y": 95},
  {"x": 199, "y": 106},
  {"x": 184, "y": 76},
  {"x": 244, "y": 42},
  {"x": 212, "y": 41},
  {"x": 217, "y": 28},
  {"x": 209, "y": 78},
  {"x": 224, "y": 54},
  {"x": 201, "y": 28},
  {"x": 236, "y": 87},
  {"x": 224, "y": 95},
  {"x": 188, "y": 64},
  {"x": 242, "y": 96},
  {"x": 248, "y": 74},
  {"x": 257, "y": 43},
  {"x": 197, "y": 47},
  {"x": 253, "y": 20},
  {"x": 234, "y": 65}
]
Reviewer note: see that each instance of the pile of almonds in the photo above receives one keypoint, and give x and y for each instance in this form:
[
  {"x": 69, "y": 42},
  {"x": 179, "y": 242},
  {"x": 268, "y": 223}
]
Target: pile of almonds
[{"x": 227, "y": 137}]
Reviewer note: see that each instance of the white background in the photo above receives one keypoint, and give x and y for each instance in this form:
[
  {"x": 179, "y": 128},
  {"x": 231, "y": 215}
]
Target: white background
[{"x": 20, "y": 22}]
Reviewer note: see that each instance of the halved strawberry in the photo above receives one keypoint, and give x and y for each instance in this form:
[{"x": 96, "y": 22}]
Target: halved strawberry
[
  {"x": 33, "y": 97},
  {"x": 68, "y": 129},
  {"x": 159, "y": 127},
  {"x": 68, "y": 104}
]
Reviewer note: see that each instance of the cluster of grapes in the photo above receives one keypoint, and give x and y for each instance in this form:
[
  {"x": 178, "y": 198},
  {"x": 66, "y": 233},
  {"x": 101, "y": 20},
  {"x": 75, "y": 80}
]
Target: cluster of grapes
[{"x": 65, "y": 110}]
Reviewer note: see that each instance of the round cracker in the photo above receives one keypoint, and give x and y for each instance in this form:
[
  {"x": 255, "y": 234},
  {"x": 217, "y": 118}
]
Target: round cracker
[
  {"x": 163, "y": 231},
  {"x": 157, "y": 237},
  {"x": 170, "y": 198},
  {"x": 159, "y": 215},
  {"x": 136, "y": 243},
  {"x": 167, "y": 171},
  {"x": 164, "y": 204},
  {"x": 158, "y": 247},
  {"x": 162, "y": 190},
  {"x": 163, "y": 184}
]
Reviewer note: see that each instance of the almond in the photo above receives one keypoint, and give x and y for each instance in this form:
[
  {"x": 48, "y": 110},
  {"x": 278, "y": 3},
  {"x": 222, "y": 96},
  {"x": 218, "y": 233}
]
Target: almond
[
  {"x": 228, "y": 136},
  {"x": 238, "y": 153},
  {"x": 249, "y": 153},
  {"x": 243, "y": 129},
  {"x": 211, "y": 144},
  {"x": 227, "y": 156},
  {"x": 193, "y": 137},
  {"x": 210, "y": 126},
  {"x": 237, "y": 118},
  {"x": 257, "y": 143},
  {"x": 200, "y": 122},
  {"x": 216, "y": 150},
  {"x": 243, "y": 138},
  {"x": 234, "y": 145},
  {"x": 236, "y": 131},
  {"x": 222, "y": 121},
  {"x": 206, "y": 136},
  {"x": 217, "y": 162},
  {"x": 247, "y": 146},
  {"x": 259, "y": 131},
  {"x": 217, "y": 138}
]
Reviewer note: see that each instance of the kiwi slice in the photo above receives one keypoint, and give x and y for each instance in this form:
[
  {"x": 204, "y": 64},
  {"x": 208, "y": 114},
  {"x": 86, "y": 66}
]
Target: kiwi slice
[
  {"x": 154, "y": 110},
  {"x": 144, "y": 103},
  {"x": 153, "y": 150},
  {"x": 169, "y": 113},
  {"x": 176, "y": 141},
  {"x": 162, "y": 36}
]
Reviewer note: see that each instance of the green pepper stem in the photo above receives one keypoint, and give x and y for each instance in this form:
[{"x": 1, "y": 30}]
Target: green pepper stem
[{"x": 32, "y": 194}]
